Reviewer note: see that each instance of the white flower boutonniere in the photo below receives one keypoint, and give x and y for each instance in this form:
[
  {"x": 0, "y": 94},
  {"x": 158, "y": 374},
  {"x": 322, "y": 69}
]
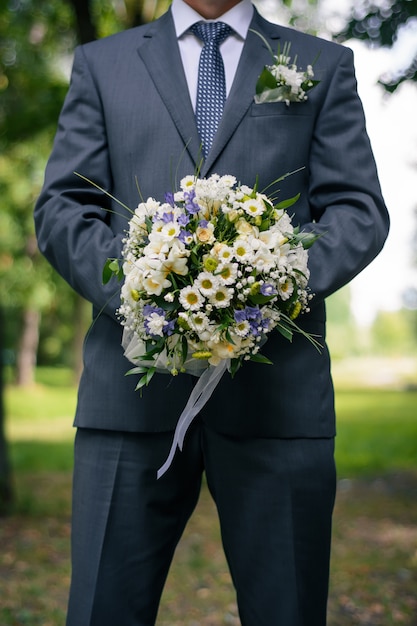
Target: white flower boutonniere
[{"x": 282, "y": 81}]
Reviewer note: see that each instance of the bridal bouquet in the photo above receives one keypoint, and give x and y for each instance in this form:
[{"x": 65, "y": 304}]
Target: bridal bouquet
[{"x": 209, "y": 273}]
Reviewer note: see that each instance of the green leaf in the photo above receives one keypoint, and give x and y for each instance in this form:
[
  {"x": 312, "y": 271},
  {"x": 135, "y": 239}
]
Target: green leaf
[
  {"x": 149, "y": 374},
  {"x": 265, "y": 224},
  {"x": 107, "y": 271},
  {"x": 184, "y": 348},
  {"x": 235, "y": 365},
  {"x": 260, "y": 358},
  {"x": 112, "y": 267},
  {"x": 146, "y": 378},
  {"x": 285, "y": 204},
  {"x": 142, "y": 382},
  {"x": 285, "y": 332},
  {"x": 156, "y": 349},
  {"x": 229, "y": 336},
  {"x": 307, "y": 239},
  {"x": 259, "y": 298},
  {"x": 141, "y": 369},
  {"x": 163, "y": 304},
  {"x": 266, "y": 80}
]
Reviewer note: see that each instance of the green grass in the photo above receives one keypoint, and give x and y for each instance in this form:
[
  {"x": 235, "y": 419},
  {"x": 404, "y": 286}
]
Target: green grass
[
  {"x": 377, "y": 428},
  {"x": 374, "y": 558},
  {"x": 377, "y": 431}
]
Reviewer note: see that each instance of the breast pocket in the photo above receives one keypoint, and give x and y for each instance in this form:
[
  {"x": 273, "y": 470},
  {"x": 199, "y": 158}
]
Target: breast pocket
[{"x": 294, "y": 109}]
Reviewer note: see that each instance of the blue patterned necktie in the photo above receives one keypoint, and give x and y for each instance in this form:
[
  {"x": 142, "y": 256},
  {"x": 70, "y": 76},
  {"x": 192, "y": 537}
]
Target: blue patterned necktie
[{"x": 211, "y": 88}]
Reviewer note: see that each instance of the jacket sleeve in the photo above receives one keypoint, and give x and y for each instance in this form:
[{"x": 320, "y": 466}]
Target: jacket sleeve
[
  {"x": 72, "y": 217},
  {"x": 344, "y": 192}
]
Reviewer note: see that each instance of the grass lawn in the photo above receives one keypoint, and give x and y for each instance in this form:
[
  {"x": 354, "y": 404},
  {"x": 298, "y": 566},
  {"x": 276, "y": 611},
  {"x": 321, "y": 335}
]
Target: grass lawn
[{"x": 374, "y": 561}]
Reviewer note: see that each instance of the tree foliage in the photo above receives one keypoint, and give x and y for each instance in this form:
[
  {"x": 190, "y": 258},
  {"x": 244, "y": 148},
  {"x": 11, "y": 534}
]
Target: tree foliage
[
  {"x": 37, "y": 39},
  {"x": 381, "y": 22}
]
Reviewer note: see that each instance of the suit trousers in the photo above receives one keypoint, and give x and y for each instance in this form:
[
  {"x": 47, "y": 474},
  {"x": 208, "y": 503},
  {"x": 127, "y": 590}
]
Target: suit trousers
[{"x": 274, "y": 499}]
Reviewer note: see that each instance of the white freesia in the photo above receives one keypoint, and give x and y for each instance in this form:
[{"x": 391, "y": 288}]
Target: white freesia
[{"x": 155, "y": 282}]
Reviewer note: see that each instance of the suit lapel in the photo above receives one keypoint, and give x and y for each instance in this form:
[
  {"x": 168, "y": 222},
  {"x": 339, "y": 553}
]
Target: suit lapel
[
  {"x": 254, "y": 56},
  {"x": 160, "y": 53}
]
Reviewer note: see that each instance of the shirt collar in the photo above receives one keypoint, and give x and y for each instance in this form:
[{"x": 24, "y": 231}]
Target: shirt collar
[{"x": 239, "y": 17}]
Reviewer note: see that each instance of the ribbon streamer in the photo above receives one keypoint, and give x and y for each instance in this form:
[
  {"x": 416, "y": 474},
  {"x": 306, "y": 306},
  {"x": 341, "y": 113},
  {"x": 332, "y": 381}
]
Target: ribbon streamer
[{"x": 201, "y": 393}]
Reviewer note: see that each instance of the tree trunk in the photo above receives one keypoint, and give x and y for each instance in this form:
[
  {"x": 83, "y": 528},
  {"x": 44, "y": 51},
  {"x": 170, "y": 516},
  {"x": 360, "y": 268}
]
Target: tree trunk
[
  {"x": 6, "y": 490},
  {"x": 28, "y": 348},
  {"x": 86, "y": 30}
]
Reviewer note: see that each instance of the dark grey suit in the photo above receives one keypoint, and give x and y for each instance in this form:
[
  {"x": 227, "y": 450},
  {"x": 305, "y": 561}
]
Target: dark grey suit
[{"x": 128, "y": 115}]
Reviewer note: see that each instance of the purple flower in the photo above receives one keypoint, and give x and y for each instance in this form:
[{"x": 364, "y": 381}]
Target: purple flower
[
  {"x": 164, "y": 326},
  {"x": 191, "y": 204},
  {"x": 148, "y": 309},
  {"x": 252, "y": 312},
  {"x": 268, "y": 290},
  {"x": 183, "y": 219},
  {"x": 169, "y": 198},
  {"x": 169, "y": 328},
  {"x": 184, "y": 235},
  {"x": 167, "y": 217},
  {"x": 249, "y": 313},
  {"x": 240, "y": 315}
]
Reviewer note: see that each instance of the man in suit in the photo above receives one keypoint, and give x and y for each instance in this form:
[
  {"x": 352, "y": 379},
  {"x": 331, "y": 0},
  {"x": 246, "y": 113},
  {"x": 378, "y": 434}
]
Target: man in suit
[{"x": 266, "y": 438}]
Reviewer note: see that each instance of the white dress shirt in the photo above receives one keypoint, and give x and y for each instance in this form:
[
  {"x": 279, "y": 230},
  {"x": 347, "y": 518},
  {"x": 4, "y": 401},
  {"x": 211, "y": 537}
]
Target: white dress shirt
[{"x": 238, "y": 18}]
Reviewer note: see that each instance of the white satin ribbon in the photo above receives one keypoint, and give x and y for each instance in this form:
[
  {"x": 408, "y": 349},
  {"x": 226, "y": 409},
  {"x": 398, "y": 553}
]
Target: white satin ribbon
[{"x": 202, "y": 391}]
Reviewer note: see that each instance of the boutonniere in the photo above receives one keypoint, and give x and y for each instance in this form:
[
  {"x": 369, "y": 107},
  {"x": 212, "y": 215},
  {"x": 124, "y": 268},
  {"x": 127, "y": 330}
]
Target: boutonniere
[{"x": 282, "y": 81}]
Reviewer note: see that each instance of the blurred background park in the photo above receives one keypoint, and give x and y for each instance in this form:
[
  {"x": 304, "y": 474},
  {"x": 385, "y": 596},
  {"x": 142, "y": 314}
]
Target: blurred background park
[{"x": 372, "y": 333}]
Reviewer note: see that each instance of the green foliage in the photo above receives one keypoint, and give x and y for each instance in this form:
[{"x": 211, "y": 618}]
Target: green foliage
[
  {"x": 395, "y": 333},
  {"x": 33, "y": 35},
  {"x": 25, "y": 279},
  {"x": 379, "y": 23},
  {"x": 342, "y": 331},
  {"x": 37, "y": 39},
  {"x": 377, "y": 431}
]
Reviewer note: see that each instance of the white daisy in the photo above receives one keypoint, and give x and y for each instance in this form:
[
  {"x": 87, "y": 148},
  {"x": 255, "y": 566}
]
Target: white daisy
[
  {"x": 285, "y": 288},
  {"x": 187, "y": 183},
  {"x": 199, "y": 322},
  {"x": 254, "y": 207},
  {"x": 170, "y": 230},
  {"x": 221, "y": 297},
  {"x": 227, "y": 273},
  {"x": 207, "y": 283},
  {"x": 190, "y": 298},
  {"x": 242, "y": 328},
  {"x": 242, "y": 250}
]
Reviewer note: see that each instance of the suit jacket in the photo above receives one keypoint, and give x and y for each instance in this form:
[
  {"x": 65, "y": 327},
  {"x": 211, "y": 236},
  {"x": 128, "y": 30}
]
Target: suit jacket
[{"x": 127, "y": 122}]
